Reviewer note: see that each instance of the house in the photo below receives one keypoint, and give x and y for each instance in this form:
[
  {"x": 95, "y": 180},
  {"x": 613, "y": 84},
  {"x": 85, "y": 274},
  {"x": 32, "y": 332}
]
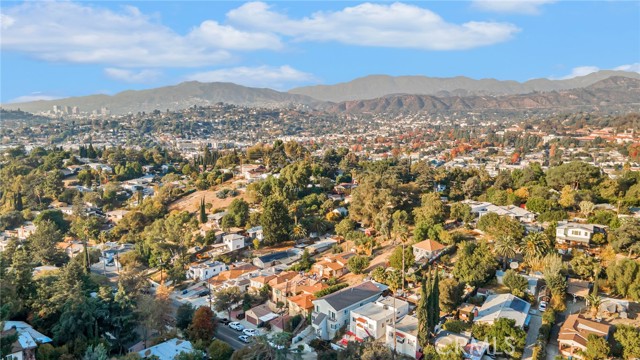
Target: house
[
  {"x": 334, "y": 265},
  {"x": 255, "y": 233},
  {"x": 572, "y": 338},
  {"x": 578, "y": 288},
  {"x": 258, "y": 282},
  {"x": 344, "y": 188},
  {"x": 403, "y": 337},
  {"x": 167, "y": 350},
  {"x": 260, "y": 315},
  {"x": 504, "y": 306},
  {"x": 301, "y": 304},
  {"x": 116, "y": 215},
  {"x": 283, "y": 285},
  {"x": 233, "y": 241},
  {"x": 371, "y": 320},
  {"x": 428, "y": 249},
  {"x": 232, "y": 274},
  {"x": 205, "y": 270},
  {"x": 466, "y": 312},
  {"x": 479, "y": 209},
  {"x": 26, "y": 230},
  {"x": 216, "y": 218},
  {"x": 446, "y": 338},
  {"x": 577, "y": 234},
  {"x": 321, "y": 246},
  {"x": 286, "y": 257},
  {"x": 28, "y": 340},
  {"x": 331, "y": 312}
]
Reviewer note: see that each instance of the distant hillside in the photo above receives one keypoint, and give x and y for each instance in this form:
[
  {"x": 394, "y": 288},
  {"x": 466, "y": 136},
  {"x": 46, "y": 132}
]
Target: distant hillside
[
  {"x": 613, "y": 91},
  {"x": 376, "y": 86},
  {"x": 175, "y": 97}
]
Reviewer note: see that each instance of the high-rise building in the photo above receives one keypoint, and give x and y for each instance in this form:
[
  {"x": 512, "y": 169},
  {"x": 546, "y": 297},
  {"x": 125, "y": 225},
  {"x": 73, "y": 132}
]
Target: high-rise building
[
  {"x": 56, "y": 109},
  {"x": 67, "y": 109},
  {"x": 75, "y": 110},
  {"x": 104, "y": 111}
]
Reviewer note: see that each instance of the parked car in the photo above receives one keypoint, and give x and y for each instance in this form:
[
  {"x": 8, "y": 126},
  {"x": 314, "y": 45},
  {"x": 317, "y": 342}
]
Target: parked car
[
  {"x": 203, "y": 293},
  {"x": 251, "y": 332},
  {"x": 224, "y": 321},
  {"x": 543, "y": 306},
  {"x": 184, "y": 291},
  {"x": 244, "y": 338},
  {"x": 236, "y": 326}
]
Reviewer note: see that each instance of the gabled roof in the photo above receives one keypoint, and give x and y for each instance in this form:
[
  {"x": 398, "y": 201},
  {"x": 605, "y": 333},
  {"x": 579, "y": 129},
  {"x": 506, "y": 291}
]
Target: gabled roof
[
  {"x": 504, "y": 306},
  {"x": 578, "y": 329},
  {"x": 346, "y": 297},
  {"x": 429, "y": 245}
]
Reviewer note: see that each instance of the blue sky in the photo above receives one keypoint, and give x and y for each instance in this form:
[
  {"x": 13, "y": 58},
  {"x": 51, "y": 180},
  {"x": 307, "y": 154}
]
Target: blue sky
[{"x": 58, "y": 49}]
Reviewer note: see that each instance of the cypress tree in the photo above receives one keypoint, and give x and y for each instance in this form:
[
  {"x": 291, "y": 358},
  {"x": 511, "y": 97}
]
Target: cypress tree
[
  {"x": 203, "y": 212},
  {"x": 18, "y": 202},
  {"x": 423, "y": 329},
  {"x": 435, "y": 301}
]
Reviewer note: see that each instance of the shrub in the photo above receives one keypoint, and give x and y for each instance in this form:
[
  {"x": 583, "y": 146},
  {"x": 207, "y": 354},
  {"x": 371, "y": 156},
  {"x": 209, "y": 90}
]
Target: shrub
[{"x": 330, "y": 290}]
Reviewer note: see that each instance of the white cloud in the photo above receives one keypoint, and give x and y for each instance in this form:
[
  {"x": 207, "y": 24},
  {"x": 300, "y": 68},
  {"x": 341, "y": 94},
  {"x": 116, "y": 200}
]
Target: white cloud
[
  {"x": 394, "y": 25},
  {"x": 528, "y": 7},
  {"x": 586, "y": 70},
  {"x": 79, "y": 33},
  {"x": 36, "y": 96},
  {"x": 635, "y": 67},
  {"x": 261, "y": 76},
  {"x": 133, "y": 76}
]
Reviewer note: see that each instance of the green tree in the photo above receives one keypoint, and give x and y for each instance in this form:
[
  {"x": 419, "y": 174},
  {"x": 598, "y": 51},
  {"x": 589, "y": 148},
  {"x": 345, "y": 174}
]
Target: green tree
[
  {"x": 423, "y": 314},
  {"x": 184, "y": 315},
  {"x": 475, "y": 264},
  {"x": 624, "y": 278},
  {"x": 576, "y": 175},
  {"x": 628, "y": 337},
  {"x": 345, "y": 226},
  {"x": 431, "y": 209},
  {"x": 516, "y": 283},
  {"x": 357, "y": 264},
  {"x": 451, "y": 292},
  {"x": 597, "y": 348},
  {"x": 219, "y": 350},
  {"x": 226, "y": 298},
  {"x": 98, "y": 352},
  {"x": 535, "y": 245},
  {"x": 275, "y": 221},
  {"x": 43, "y": 242},
  {"x": 203, "y": 212},
  {"x": 506, "y": 247},
  {"x": 395, "y": 260},
  {"x": 6, "y": 343}
]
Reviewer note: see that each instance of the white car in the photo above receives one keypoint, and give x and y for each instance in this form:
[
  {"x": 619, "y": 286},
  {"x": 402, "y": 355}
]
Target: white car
[
  {"x": 251, "y": 332},
  {"x": 543, "y": 306},
  {"x": 236, "y": 326},
  {"x": 244, "y": 338}
]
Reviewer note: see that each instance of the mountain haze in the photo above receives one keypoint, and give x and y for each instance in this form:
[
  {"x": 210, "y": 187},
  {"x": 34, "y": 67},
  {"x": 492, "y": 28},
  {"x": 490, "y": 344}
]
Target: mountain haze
[
  {"x": 376, "y": 86},
  {"x": 175, "y": 97},
  {"x": 617, "y": 91}
]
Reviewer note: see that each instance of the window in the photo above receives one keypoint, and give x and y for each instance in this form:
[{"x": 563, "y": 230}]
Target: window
[{"x": 576, "y": 232}]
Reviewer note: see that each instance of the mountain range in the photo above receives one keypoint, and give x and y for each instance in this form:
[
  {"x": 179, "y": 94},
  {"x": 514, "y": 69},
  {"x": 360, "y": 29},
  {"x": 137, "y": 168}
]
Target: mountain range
[{"x": 377, "y": 93}]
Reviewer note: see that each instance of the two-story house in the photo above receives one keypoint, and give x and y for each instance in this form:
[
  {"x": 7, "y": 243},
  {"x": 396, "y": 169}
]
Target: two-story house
[
  {"x": 233, "y": 241},
  {"x": 205, "y": 270},
  {"x": 331, "y": 312},
  {"x": 427, "y": 249},
  {"x": 573, "y": 335},
  {"x": 403, "y": 337},
  {"x": 371, "y": 320},
  {"x": 255, "y": 233},
  {"x": 577, "y": 234}
]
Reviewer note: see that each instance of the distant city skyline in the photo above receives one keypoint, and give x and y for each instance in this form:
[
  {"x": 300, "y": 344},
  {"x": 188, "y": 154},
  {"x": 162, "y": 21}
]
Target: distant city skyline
[{"x": 59, "y": 49}]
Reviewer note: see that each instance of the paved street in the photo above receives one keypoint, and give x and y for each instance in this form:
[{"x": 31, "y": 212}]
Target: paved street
[
  {"x": 532, "y": 334},
  {"x": 230, "y": 336}
]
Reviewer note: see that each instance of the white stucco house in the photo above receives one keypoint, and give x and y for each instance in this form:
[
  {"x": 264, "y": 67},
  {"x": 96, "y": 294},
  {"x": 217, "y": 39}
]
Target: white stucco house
[{"x": 233, "y": 241}]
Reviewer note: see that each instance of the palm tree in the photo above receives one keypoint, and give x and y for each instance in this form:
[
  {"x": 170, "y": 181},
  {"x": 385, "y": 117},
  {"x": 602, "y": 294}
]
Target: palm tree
[
  {"x": 505, "y": 247},
  {"x": 534, "y": 246},
  {"x": 594, "y": 301},
  {"x": 298, "y": 232}
]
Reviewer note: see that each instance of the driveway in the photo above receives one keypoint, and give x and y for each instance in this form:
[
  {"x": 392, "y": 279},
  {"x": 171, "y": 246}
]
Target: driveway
[
  {"x": 230, "y": 336},
  {"x": 532, "y": 334}
]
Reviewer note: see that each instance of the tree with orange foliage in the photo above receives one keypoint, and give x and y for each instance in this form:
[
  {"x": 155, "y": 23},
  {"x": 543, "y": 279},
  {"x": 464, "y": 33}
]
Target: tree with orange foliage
[{"x": 203, "y": 325}]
